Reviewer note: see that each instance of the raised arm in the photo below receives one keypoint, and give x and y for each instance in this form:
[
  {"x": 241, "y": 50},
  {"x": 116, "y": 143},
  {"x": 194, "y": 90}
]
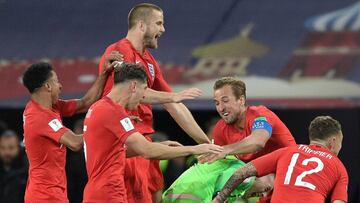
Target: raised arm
[
  {"x": 159, "y": 97},
  {"x": 238, "y": 177},
  {"x": 95, "y": 91},
  {"x": 186, "y": 121},
  {"x": 137, "y": 144}
]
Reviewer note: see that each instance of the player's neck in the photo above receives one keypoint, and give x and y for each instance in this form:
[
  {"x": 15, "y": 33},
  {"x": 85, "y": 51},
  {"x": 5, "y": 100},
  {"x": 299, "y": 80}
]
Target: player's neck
[
  {"x": 319, "y": 143},
  {"x": 43, "y": 100},
  {"x": 117, "y": 95},
  {"x": 241, "y": 120},
  {"x": 136, "y": 41}
]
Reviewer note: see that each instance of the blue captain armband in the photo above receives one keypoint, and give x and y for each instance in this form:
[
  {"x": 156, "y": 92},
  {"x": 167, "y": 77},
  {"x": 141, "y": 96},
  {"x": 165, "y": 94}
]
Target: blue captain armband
[{"x": 261, "y": 123}]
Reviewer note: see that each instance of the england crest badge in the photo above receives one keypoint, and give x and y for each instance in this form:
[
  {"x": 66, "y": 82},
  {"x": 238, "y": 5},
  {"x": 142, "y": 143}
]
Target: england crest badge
[{"x": 151, "y": 69}]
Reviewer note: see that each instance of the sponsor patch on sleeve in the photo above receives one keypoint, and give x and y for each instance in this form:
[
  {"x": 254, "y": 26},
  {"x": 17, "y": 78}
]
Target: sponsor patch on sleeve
[
  {"x": 127, "y": 124},
  {"x": 261, "y": 123},
  {"x": 55, "y": 124}
]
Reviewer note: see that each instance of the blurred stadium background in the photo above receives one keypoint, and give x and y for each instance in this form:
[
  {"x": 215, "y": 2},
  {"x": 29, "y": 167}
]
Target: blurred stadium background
[{"x": 300, "y": 58}]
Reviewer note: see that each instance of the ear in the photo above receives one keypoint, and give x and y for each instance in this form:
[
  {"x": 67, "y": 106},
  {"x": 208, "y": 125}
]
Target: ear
[
  {"x": 142, "y": 25},
  {"x": 47, "y": 86},
  {"x": 331, "y": 142},
  {"x": 132, "y": 86},
  {"x": 242, "y": 100}
]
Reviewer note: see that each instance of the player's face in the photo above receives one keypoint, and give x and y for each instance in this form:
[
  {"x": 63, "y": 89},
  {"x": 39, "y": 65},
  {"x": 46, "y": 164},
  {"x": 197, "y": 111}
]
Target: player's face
[
  {"x": 227, "y": 105},
  {"x": 137, "y": 96},
  {"x": 55, "y": 86},
  {"x": 154, "y": 29}
]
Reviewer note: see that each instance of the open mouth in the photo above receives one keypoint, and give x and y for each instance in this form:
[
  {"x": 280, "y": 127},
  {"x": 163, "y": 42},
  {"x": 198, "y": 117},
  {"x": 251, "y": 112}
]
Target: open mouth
[
  {"x": 225, "y": 114},
  {"x": 157, "y": 36}
]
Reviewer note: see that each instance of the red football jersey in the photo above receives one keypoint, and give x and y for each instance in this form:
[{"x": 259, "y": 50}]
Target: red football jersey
[
  {"x": 155, "y": 81},
  {"x": 225, "y": 134},
  {"x": 42, "y": 131},
  {"x": 106, "y": 128},
  {"x": 304, "y": 173}
]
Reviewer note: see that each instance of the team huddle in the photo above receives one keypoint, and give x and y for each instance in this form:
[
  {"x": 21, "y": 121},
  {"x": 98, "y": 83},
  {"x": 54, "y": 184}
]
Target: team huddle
[{"x": 253, "y": 154}]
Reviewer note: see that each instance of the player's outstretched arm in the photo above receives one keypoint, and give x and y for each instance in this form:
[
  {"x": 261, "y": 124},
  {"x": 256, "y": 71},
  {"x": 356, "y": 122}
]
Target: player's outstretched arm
[
  {"x": 95, "y": 91},
  {"x": 251, "y": 144},
  {"x": 238, "y": 177},
  {"x": 186, "y": 121},
  {"x": 72, "y": 141},
  {"x": 137, "y": 144},
  {"x": 158, "y": 97}
]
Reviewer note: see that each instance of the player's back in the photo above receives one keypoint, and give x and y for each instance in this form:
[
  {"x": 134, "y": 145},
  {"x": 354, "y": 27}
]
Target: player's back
[
  {"x": 309, "y": 173},
  {"x": 104, "y": 152}
]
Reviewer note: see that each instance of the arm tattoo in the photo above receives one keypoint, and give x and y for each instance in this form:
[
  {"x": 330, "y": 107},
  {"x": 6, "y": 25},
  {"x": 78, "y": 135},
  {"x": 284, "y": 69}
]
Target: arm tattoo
[{"x": 238, "y": 177}]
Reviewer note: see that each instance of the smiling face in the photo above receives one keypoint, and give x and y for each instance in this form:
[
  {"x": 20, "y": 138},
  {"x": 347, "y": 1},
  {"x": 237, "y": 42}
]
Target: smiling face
[
  {"x": 154, "y": 29},
  {"x": 227, "y": 105},
  {"x": 54, "y": 87}
]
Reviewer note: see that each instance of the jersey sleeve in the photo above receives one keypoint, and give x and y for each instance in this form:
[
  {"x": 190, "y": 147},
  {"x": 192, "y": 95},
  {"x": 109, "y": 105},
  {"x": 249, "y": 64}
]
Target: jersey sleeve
[
  {"x": 267, "y": 164},
  {"x": 159, "y": 82},
  {"x": 265, "y": 121},
  {"x": 340, "y": 189},
  {"x": 218, "y": 134},
  {"x": 67, "y": 107},
  {"x": 52, "y": 127},
  {"x": 122, "y": 126}
]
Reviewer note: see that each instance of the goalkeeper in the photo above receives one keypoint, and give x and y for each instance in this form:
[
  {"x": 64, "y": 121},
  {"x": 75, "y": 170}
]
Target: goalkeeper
[{"x": 201, "y": 182}]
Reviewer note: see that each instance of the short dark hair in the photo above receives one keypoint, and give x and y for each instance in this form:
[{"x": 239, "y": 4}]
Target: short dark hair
[
  {"x": 141, "y": 12},
  {"x": 35, "y": 75},
  {"x": 323, "y": 127},
  {"x": 129, "y": 71},
  {"x": 9, "y": 133},
  {"x": 238, "y": 87}
]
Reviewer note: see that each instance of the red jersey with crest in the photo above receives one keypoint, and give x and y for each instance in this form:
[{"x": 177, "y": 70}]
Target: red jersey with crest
[
  {"x": 155, "y": 81},
  {"x": 304, "y": 173},
  {"x": 106, "y": 128},
  {"x": 225, "y": 134},
  {"x": 139, "y": 188},
  {"x": 42, "y": 131}
]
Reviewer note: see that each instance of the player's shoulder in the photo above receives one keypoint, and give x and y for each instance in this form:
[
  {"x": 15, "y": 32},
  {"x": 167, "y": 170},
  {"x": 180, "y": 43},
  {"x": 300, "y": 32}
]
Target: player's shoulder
[
  {"x": 259, "y": 110},
  {"x": 340, "y": 166},
  {"x": 220, "y": 124},
  {"x": 38, "y": 113}
]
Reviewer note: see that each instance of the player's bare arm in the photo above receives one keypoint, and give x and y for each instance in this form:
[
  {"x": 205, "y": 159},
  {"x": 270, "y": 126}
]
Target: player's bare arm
[
  {"x": 72, "y": 141},
  {"x": 186, "y": 121},
  {"x": 94, "y": 93},
  {"x": 140, "y": 146},
  {"x": 159, "y": 97},
  {"x": 251, "y": 144},
  {"x": 238, "y": 177}
]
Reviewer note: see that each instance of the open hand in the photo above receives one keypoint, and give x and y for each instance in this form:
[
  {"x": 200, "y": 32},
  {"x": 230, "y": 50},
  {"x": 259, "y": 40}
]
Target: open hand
[
  {"x": 208, "y": 148},
  {"x": 190, "y": 93},
  {"x": 112, "y": 60}
]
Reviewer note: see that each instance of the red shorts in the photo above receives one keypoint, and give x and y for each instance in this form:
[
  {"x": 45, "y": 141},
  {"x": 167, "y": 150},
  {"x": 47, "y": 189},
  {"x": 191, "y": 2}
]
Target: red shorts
[
  {"x": 156, "y": 179},
  {"x": 136, "y": 181},
  {"x": 142, "y": 178}
]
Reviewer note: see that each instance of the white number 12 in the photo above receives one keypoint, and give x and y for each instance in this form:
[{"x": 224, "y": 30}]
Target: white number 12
[{"x": 299, "y": 181}]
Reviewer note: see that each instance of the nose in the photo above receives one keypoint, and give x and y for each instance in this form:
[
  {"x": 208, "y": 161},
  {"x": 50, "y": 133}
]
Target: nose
[
  {"x": 60, "y": 86},
  {"x": 162, "y": 29},
  {"x": 220, "y": 107}
]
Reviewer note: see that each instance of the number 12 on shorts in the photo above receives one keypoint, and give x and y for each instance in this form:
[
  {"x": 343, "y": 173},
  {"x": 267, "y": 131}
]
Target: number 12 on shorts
[{"x": 299, "y": 182}]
